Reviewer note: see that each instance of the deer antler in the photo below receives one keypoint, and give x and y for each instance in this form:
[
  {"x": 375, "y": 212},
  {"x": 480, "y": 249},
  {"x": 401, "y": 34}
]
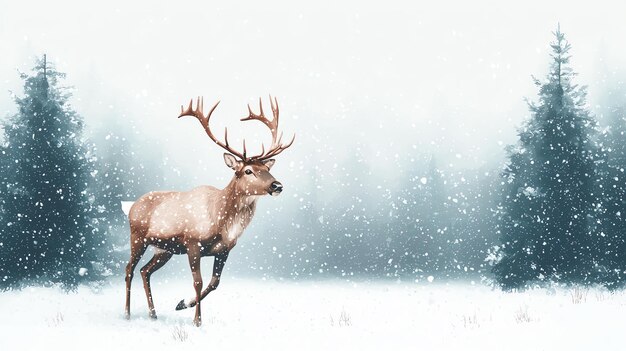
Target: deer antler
[
  {"x": 204, "y": 121},
  {"x": 276, "y": 147}
]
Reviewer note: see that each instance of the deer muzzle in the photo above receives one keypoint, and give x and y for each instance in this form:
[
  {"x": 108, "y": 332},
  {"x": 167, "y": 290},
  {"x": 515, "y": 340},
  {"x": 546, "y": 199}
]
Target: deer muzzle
[{"x": 275, "y": 188}]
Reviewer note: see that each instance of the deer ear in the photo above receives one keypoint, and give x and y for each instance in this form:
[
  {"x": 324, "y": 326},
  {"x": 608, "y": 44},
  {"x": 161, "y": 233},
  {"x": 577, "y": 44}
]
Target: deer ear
[
  {"x": 269, "y": 163},
  {"x": 230, "y": 161}
]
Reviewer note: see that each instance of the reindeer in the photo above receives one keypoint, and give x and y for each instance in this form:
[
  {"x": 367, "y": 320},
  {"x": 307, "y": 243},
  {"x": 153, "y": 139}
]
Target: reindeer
[{"x": 204, "y": 221}]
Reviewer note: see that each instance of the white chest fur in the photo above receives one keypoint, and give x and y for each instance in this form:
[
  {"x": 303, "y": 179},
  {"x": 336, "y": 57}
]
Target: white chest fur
[
  {"x": 234, "y": 231},
  {"x": 240, "y": 220}
]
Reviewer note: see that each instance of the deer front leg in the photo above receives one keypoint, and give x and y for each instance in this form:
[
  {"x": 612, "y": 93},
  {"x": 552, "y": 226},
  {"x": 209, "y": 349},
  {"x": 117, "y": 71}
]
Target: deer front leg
[
  {"x": 218, "y": 266},
  {"x": 194, "y": 262}
]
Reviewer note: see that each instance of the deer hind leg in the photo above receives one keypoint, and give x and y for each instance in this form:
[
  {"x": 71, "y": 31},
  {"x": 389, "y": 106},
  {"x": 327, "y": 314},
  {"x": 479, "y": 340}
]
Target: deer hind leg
[
  {"x": 159, "y": 259},
  {"x": 137, "y": 248}
]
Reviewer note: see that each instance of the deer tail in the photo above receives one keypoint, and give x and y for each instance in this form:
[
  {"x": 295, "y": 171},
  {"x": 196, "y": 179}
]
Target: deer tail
[{"x": 126, "y": 205}]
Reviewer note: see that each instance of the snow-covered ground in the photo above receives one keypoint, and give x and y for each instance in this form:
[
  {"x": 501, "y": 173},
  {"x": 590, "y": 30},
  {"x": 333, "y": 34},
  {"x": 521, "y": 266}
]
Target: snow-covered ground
[{"x": 262, "y": 315}]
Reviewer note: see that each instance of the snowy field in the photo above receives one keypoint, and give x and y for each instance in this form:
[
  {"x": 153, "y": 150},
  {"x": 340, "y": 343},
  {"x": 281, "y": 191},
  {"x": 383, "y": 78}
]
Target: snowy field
[{"x": 315, "y": 316}]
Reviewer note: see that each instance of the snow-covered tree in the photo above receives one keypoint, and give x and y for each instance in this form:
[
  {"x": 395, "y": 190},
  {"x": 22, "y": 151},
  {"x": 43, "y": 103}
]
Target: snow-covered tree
[
  {"x": 472, "y": 227},
  {"x": 352, "y": 218},
  {"x": 46, "y": 229},
  {"x": 546, "y": 212},
  {"x": 611, "y": 188},
  {"x": 421, "y": 226}
]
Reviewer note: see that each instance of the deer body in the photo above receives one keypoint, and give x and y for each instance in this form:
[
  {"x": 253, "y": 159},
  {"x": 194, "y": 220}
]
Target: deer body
[
  {"x": 204, "y": 221},
  {"x": 212, "y": 218}
]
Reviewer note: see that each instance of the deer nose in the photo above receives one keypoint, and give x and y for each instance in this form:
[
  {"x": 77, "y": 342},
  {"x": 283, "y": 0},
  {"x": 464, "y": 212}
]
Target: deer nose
[{"x": 276, "y": 188}]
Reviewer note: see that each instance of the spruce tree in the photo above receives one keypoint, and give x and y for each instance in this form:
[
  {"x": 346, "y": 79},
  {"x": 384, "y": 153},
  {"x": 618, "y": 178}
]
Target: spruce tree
[
  {"x": 611, "y": 173},
  {"x": 435, "y": 223},
  {"x": 46, "y": 229},
  {"x": 546, "y": 215},
  {"x": 420, "y": 228},
  {"x": 112, "y": 182}
]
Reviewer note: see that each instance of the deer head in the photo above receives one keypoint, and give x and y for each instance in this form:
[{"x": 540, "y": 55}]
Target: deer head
[{"x": 252, "y": 174}]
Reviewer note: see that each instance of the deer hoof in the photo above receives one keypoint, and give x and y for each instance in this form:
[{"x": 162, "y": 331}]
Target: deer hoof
[
  {"x": 197, "y": 322},
  {"x": 153, "y": 315},
  {"x": 126, "y": 316},
  {"x": 181, "y": 305}
]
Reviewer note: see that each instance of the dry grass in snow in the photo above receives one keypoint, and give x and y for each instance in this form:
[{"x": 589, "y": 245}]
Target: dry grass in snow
[{"x": 245, "y": 314}]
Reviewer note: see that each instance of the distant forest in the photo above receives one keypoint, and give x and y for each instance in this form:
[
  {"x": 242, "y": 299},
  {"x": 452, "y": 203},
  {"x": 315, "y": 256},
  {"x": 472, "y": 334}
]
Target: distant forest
[{"x": 552, "y": 214}]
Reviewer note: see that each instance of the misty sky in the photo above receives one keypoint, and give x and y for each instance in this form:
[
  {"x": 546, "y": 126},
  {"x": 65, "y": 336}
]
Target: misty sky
[{"x": 392, "y": 79}]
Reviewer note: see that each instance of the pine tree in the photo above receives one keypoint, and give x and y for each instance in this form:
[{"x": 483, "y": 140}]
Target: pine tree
[
  {"x": 405, "y": 227},
  {"x": 421, "y": 226},
  {"x": 46, "y": 229},
  {"x": 435, "y": 221},
  {"x": 611, "y": 248},
  {"x": 113, "y": 182},
  {"x": 119, "y": 175},
  {"x": 473, "y": 225},
  {"x": 546, "y": 213},
  {"x": 351, "y": 217}
]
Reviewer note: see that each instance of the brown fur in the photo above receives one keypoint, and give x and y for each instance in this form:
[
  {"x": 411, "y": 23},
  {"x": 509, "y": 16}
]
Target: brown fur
[{"x": 204, "y": 221}]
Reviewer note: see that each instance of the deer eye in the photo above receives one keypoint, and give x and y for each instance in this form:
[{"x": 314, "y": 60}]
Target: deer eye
[{"x": 248, "y": 172}]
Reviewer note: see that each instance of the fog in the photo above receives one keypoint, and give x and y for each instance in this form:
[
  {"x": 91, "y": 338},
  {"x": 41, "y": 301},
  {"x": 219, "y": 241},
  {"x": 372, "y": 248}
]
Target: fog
[
  {"x": 447, "y": 78},
  {"x": 389, "y": 85}
]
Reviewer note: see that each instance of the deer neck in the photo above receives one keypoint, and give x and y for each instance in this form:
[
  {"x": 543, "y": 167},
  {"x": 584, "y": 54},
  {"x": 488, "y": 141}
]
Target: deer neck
[
  {"x": 237, "y": 201},
  {"x": 237, "y": 211}
]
